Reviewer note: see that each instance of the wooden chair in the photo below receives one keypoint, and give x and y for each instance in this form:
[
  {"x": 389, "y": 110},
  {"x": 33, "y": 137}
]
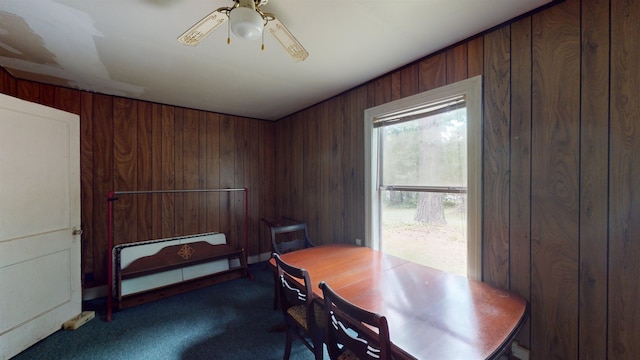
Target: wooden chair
[
  {"x": 287, "y": 238},
  {"x": 353, "y": 332},
  {"x": 304, "y": 318}
]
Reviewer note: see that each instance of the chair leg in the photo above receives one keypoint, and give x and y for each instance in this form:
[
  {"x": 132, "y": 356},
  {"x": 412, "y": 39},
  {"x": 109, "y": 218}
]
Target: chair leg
[
  {"x": 287, "y": 347},
  {"x": 318, "y": 350},
  {"x": 276, "y": 294}
]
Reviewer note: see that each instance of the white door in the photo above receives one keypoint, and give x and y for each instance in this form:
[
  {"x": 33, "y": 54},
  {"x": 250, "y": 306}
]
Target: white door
[{"x": 40, "y": 286}]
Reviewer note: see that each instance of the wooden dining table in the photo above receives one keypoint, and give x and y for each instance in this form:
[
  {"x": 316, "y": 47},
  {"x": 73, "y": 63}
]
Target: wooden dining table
[{"x": 432, "y": 314}]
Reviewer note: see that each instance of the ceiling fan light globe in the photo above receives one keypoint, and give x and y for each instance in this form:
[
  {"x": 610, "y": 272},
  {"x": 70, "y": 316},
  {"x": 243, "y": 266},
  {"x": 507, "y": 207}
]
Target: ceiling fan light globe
[{"x": 246, "y": 23}]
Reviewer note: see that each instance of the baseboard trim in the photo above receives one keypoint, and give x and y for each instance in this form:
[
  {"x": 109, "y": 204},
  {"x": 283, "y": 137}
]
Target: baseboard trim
[
  {"x": 95, "y": 292},
  {"x": 259, "y": 258}
]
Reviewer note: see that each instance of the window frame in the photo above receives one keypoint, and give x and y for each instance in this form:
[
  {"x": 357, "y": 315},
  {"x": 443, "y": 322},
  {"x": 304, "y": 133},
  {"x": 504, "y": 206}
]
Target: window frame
[{"x": 472, "y": 90}]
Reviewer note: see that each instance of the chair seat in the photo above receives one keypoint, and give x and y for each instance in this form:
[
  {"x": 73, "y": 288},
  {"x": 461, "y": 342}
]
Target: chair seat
[
  {"x": 348, "y": 355},
  {"x": 299, "y": 314}
]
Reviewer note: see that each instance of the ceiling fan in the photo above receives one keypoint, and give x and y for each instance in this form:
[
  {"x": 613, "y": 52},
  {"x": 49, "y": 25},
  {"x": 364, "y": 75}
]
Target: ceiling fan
[{"x": 246, "y": 20}]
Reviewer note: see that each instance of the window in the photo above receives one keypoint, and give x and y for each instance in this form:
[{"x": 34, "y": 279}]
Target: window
[{"x": 423, "y": 177}]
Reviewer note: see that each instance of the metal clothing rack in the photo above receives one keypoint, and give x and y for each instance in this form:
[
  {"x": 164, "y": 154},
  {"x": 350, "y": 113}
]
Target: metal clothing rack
[{"x": 112, "y": 196}]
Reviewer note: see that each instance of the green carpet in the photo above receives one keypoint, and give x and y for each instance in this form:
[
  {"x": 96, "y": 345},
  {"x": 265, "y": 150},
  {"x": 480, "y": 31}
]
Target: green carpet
[{"x": 231, "y": 320}]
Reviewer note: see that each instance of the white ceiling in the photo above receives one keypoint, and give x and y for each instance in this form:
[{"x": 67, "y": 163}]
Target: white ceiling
[{"x": 129, "y": 47}]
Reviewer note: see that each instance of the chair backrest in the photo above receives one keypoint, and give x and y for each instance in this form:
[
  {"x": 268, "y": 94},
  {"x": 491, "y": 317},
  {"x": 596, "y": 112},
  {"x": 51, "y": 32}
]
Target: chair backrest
[
  {"x": 290, "y": 238},
  {"x": 295, "y": 286},
  {"x": 349, "y": 327}
]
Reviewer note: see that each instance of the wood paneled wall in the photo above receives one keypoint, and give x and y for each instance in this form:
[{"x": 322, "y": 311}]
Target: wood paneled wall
[
  {"x": 131, "y": 145},
  {"x": 561, "y": 168}
]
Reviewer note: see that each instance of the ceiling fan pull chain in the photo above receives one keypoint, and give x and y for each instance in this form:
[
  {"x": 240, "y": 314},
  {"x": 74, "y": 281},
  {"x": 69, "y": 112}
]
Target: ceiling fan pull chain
[
  {"x": 262, "y": 48},
  {"x": 228, "y": 32}
]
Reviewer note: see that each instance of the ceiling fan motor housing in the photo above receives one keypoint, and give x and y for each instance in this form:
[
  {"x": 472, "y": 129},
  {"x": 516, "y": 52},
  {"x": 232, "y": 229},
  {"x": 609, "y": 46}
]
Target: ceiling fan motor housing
[{"x": 245, "y": 21}]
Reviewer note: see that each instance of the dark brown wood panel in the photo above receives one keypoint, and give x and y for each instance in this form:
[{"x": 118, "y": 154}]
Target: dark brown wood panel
[
  {"x": 267, "y": 186},
  {"x": 475, "y": 52},
  {"x": 456, "y": 63},
  {"x": 520, "y": 167},
  {"x": 594, "y": 162},
  {"x": 239, "y": 179},
  {"x": 396, "y": 81},
  {"x": 410, "y": 80},
  {"x": 312, "y": 174},
  {"x": 336, "y": 183},
  {"x": 144, "y": 151},
  {"x": 355, "y": 196},
  {"x": 432, "y": 72},
  {"x": 8, "y": 84},
  {"x": 191, "y": 170},
  {"x": 351, "y": 158},
  {"x": 555, "y": 181},
  {"x": 67, "y": 100},
  {"x": 213, "y": 171},
  {"x": 125, "y": 136},
  {"x": 290, "y": 168},
  {"x": 379, "y": 91},
  {"x": 203, "y": 203},
  {"x": 251, "y": 175},
  {"x": 295, "y": 187},
  {"x": 155, "y": 158},
  {"x": 496, "y": 157},
  {"x": 103, "y": 179},
  {"x": 624, "y": 188},
  {"x": 324, "y": 223},
  {"x": 227, "y": 171},
  {"x": 47, "y": 95},
  {"x": 178, "y": 158},
  {"x": 88, "y": 198},
  {"x": 29, "y": 91},
  {"x": 168, "y": 174},
  {"x": 282, "y": 138}
]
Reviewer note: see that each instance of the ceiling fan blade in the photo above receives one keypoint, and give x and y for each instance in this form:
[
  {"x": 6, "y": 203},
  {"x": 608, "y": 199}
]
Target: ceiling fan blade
[
  {"x": 285, "y": 38},
  {"x": 204, "y": 27}
]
